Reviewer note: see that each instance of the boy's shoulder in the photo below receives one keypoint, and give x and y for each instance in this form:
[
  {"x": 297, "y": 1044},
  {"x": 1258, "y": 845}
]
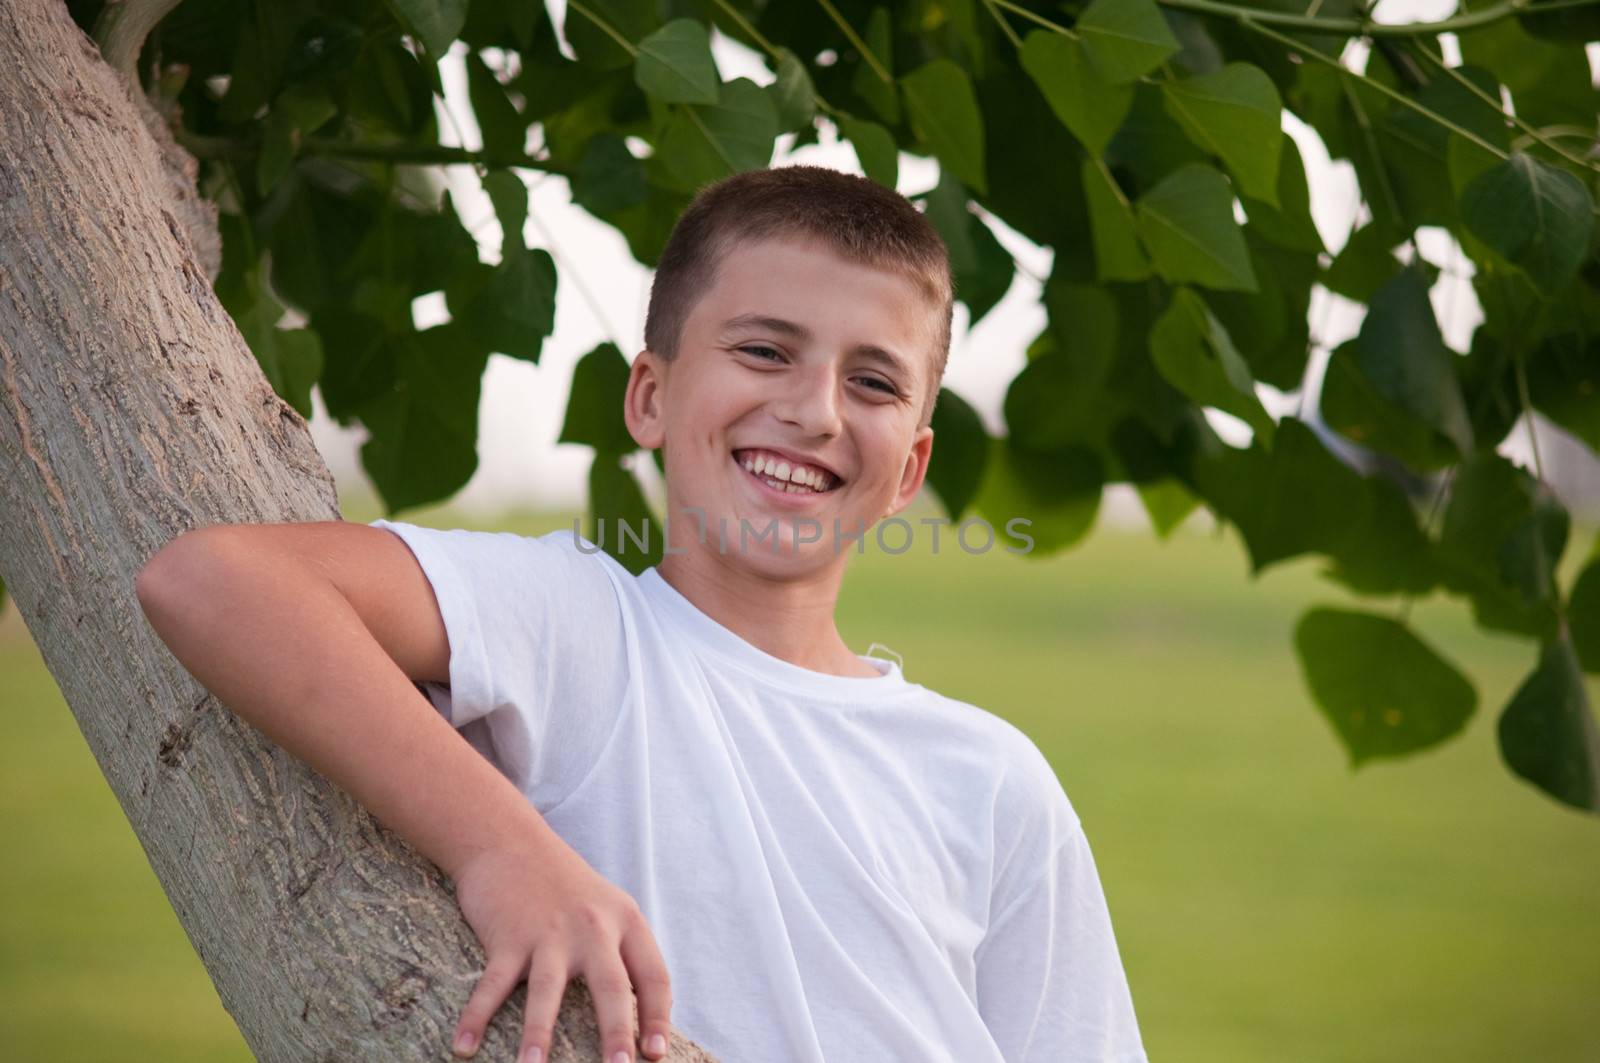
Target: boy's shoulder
[{"x": 1026, "y": 782}]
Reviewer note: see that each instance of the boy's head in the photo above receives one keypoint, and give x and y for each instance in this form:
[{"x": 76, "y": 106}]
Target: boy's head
[
  {"x": 855, "y": 218},
  {"x": 796, "y": 312}
]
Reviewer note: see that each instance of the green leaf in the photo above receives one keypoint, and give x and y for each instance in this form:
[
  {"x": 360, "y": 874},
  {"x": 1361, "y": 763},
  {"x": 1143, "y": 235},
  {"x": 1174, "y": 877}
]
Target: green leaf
[
  {"x": 594, "y": 410},
  {"x": 1364, "y": 264},
  {"x": 1125, "y": 39},
  {"x": 1385, "y": 691},
  {"x": 1395, "y": 387},
  {"x": 609, "y": 178},
  {"x": 1287, "y": 221},
  {"x": 1117, "y": 255},
  {"x": 1564, "y": 382},
  {"x": 1085, "y": 103},
  {"x": 1235, "y": 114},
  {"x": 423, "y": 432},
  {"x": 1058, "y": 400},
  {"x": 620, "y": 520},
  {"x": 1187, "y": 224},
  {"x": 1583, "y": 616},
  {"x": 1297, "y": 497},
  {"x": 1534, "y": 215},
  {"x": 298, "y": 111},
  {"x": 793, "y": 92},
  {"x": 944, "y": 114},
  {"x": 674, "y": 64},
  {"x": 510, "y": 199},
  {"x": 436, "y": 23},
  {"x": 1501, "y": 540},
  {"x": 509, "y": 308},
  {"x": 1192, "y": 350},
  {"x": 504, "y": 131},
  {"x": 880, "y": 95},
  {"x": 1053, "y": 496},
  {"x": 960, "y": 450},
  {"x": 1167, "y": 502},
  {"x": 981, "y": 267},
  {"x": 875, "y": 149},
  {"x": 1550, "y": 84},
  {"x": 1547, "y": 731},
  {"x": 704, "y": 143}
]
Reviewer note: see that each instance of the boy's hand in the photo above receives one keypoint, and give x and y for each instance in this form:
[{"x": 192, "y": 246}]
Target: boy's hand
[{"x": 545, "y": 915}]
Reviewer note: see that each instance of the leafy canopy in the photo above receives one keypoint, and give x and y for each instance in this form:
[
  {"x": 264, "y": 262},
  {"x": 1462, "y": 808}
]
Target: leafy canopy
[{"x": 1141, "y": 140}]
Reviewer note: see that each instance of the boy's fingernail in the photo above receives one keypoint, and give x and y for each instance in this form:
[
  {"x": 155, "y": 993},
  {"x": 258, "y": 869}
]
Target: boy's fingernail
[
  {"x": 533, "y": 1055},
  {"x": 656, "y": 1045},
  {"x": 465, "y": 1041},
  {"x": 619, "y": 1057}
]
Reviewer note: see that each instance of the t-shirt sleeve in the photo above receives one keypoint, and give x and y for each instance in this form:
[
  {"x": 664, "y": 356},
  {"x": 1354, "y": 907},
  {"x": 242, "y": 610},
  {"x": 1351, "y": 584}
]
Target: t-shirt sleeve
[
  {"x": 1050, "y": 982},
  {"x": 538, "y": 667}
]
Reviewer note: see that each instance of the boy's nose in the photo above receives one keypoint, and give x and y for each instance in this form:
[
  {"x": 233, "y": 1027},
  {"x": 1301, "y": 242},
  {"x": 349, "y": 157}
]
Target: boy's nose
[{"x": 811, "y": 404}]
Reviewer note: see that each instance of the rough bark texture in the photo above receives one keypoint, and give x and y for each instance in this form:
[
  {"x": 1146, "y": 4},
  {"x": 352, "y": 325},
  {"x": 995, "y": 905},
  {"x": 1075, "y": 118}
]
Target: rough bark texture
[{"x": 132, "y": 410}]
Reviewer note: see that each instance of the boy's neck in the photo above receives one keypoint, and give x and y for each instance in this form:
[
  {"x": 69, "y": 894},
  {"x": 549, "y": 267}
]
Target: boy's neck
[{"x": 791, "y": 619}]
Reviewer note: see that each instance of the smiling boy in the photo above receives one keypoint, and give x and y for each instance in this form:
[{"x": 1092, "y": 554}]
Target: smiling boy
[{"x": 700, "y": 794}]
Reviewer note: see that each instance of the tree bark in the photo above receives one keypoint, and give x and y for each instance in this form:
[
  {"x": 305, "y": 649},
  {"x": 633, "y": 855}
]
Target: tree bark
[{"x": 132, "y": 410}]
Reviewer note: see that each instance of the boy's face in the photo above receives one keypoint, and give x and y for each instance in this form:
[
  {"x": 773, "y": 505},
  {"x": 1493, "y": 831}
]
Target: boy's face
[{"x": 794, "y": 353}]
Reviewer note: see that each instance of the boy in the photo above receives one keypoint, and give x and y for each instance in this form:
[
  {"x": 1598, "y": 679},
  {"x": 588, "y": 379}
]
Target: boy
[{"x": 695, "y": 774}]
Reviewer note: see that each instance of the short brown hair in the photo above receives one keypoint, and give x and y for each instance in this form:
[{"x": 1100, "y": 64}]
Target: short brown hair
[{"x": 857, "y": 218}]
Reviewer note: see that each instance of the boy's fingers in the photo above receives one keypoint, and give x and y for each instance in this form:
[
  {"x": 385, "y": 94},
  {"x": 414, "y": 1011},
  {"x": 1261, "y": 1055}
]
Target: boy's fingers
[
  {"x": 547, "y": 984},
  {"x": 613, "y": 1006},
  {"x": 654, "y": 988},
  {"x": 499, "y": 979}
]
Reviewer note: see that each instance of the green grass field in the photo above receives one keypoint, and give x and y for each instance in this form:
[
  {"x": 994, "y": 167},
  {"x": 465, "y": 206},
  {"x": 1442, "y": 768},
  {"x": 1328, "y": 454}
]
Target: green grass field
[{"x": 1270, "y": 904}]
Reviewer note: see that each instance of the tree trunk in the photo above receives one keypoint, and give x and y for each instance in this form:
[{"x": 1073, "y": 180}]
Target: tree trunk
[{"x": 131, "y": 410}]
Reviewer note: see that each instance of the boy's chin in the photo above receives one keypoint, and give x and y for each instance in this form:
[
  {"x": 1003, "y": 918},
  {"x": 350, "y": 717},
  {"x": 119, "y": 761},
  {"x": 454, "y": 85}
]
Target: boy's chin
[{"x": 774, "y": 544}]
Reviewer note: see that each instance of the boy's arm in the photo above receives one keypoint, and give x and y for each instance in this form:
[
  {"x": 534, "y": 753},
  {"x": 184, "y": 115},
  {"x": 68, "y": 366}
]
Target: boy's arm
[
  {"x": 1050, "y": 982},
  {"x": 314, "y": 634}
]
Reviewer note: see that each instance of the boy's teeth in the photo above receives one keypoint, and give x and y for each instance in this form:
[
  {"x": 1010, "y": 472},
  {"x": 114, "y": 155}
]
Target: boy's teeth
[{"x": 780, "y": 474}]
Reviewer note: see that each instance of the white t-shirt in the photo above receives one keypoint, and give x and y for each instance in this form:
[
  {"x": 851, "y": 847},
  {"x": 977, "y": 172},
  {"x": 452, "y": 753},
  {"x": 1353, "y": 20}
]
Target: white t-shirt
[{"x": 835, "y": 868}]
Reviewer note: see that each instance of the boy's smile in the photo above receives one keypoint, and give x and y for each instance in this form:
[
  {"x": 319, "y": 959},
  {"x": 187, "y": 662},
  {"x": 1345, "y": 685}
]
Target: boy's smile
[{"x": 792, "y": 419}]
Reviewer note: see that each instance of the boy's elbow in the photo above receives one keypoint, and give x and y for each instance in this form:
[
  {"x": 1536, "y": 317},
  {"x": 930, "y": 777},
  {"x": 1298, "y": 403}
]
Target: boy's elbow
[{"x": 164, "y": 568}]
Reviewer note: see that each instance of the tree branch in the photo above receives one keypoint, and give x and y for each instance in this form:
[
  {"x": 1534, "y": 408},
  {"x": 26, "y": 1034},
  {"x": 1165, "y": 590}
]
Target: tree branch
[
  {"x": 122, "y": 28},
  {"x": 205, "y": 147},
  {"x": 1367, "y": 27}
]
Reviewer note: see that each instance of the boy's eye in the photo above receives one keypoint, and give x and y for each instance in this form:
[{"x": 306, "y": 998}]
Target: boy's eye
[
  {"x": 880, "y": 384},
  {"x": 757, "y": 347}
]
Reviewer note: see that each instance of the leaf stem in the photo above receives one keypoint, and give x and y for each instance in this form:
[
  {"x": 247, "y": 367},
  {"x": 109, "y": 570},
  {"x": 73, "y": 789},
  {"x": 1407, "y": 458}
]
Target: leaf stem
[
  {"x": 1040, "y": 19},
  {"x": 610, "y": 30},
  {"x": 1011, "y": 34},
  {"x": 1116, "y": 189},
  {"x": 855, "y": 40},
  {"x": 767, "y": 46}
]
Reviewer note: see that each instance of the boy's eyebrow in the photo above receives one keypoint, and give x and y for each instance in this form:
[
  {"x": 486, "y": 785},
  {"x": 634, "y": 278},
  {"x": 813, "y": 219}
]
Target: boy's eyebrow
[{"x": 871, "y": 351}]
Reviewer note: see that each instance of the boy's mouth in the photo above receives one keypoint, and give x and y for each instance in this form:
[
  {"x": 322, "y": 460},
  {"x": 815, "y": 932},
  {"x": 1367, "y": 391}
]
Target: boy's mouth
[{"x": 785, "y": 474}]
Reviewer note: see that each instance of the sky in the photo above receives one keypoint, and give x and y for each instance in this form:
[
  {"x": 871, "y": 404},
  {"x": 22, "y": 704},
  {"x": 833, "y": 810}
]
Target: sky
[{"x": 602, "y": 293}]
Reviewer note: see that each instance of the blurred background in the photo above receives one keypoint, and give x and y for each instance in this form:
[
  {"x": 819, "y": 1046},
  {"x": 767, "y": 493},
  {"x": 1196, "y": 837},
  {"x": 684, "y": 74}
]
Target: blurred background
[{"x": 1270, "y": 903}]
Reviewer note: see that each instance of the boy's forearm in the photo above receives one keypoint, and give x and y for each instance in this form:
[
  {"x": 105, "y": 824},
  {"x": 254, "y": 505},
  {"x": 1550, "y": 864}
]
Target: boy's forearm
[{"x": 282, "y": 647}]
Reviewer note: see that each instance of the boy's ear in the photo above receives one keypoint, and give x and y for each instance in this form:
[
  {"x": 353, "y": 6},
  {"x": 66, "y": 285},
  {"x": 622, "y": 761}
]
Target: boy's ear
[
  {"x": 916, "y": 470},
  {"x": 642, "y": 406}
]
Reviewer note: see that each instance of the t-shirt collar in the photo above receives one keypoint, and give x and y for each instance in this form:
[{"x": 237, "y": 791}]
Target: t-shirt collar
[{"x": 733, "y": 647}]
